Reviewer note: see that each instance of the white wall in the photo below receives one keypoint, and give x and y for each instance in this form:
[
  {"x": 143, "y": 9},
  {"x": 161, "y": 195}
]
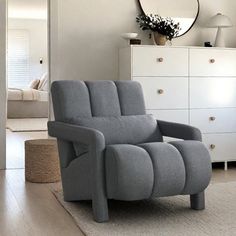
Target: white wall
[
  {"x": 89, "y": 34},
  {"x": 38, "y": 43},
  {"x": 89, "y": 37},
  {"x": 2, "y": 84}
]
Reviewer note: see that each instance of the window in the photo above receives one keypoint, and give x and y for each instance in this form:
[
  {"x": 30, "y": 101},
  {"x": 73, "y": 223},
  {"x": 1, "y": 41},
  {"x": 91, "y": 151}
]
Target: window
[{"x": 18, "y": 59}]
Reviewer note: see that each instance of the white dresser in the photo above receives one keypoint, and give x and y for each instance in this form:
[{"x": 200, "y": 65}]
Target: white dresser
[{"x": 191, "y": 85}]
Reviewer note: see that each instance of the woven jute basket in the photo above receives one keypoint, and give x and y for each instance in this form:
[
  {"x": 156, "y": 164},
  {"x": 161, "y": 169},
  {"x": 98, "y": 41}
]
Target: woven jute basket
[{"x": 42, "y": 161}]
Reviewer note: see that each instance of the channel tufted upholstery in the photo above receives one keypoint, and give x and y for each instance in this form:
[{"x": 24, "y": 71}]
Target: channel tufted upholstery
[
  {"x": 75, "y": 99},
  {"x": 110, "y": 148}
]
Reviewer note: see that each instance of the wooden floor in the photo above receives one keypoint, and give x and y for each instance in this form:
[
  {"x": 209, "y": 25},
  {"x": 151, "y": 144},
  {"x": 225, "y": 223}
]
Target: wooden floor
[
  {"x": 15, "y": 147},
  {"x": 31, "y": 209},
  {"x": 27, "y": 208}
]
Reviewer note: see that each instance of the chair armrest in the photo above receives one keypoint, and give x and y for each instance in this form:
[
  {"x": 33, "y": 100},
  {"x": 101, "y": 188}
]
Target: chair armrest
[
  {"x": 96, "y": 143},
  {"x": 180, "y": 131},
  {"x": 77, "y": 134}
]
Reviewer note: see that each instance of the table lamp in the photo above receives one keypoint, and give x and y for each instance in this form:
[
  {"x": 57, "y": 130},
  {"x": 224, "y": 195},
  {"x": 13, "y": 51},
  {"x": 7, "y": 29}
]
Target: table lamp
[{"x": 219, "y": 21}]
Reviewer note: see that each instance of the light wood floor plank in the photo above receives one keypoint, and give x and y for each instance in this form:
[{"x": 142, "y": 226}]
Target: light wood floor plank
[
  {"x": 11, "y": 216},
  {"x": 31, "y": 209}
]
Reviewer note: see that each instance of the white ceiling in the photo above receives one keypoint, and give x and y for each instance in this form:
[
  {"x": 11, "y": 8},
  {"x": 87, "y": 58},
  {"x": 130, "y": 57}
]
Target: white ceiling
[{"x": 27, "y": 9}]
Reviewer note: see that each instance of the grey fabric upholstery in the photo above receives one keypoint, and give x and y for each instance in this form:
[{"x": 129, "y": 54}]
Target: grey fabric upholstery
[
  {"x": 70, "y": 99},
  {"x": 180, "y": 131},
  {"x": 77, "y": 168},
  {"x": 110, "y": 149},
  {"x": 129, "y": 172},
  {"x": 131, "y": 98},
  {"x": 169, "y": 169},
  {"x": 96, "y": 146},
  {"x": 123, "y": 129},
  {"x": 197, "y": 165},
  {"x": 104, "y": 98}
]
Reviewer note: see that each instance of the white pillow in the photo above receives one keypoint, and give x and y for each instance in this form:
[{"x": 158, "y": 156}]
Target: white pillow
[
  {"x": 34, "y": 84},
  {"x": 43, "y": 84}
]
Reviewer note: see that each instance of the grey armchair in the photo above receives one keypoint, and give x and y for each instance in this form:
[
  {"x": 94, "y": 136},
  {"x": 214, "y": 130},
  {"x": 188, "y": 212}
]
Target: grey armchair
[{"x": 110, "y": 149}]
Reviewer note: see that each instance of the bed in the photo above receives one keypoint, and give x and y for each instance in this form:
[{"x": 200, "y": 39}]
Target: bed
[{"x": 27, "y": 103}]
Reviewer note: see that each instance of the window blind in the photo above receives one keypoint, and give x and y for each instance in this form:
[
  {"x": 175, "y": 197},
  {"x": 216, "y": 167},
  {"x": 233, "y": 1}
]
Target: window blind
[{"x": 18, "y": 59}]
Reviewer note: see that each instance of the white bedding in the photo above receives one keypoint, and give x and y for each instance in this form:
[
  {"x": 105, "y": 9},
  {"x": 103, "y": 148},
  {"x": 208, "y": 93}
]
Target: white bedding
[
  {"x": 43, "y": 96},
  {"x": 15, "y": 94}
]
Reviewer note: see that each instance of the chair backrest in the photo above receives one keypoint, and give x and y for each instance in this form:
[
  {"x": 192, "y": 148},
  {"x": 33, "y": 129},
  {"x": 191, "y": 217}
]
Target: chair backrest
[{"x": 79, "y": 99}]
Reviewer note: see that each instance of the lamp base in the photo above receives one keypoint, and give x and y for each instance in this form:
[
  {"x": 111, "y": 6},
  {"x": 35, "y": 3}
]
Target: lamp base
[{"x": 220, "y": 42}]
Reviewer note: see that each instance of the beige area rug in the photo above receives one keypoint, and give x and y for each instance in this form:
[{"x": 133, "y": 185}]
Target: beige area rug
[
  {"x": 27, "y": 125},
  {"x": 162, "y": 217}
]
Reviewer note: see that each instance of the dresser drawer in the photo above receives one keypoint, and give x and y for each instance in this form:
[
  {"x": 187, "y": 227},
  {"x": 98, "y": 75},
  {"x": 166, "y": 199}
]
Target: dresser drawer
[
  {"x": 221, "y": 146},
  {"x": 154, "y": 61},
  {"x": 214, "y": 120},
  {"x": 212, "y": 92},
  {"x": 165, "y": 92},
  {"x": 177, "y": 116},
  {"x": 212, "y": 62}
]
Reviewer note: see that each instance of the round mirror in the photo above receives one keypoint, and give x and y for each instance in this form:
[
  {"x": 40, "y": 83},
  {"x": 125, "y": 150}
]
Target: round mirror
[{"x": 184, "y": 12}]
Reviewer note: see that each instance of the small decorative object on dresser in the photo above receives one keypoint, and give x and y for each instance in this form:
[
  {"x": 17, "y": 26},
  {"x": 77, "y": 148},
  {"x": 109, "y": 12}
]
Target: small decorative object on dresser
[
  {"x": 129, "y": 37},
  {"x": 207, "y": 44},
  {"x": 135, "y": 41},
  {"x": 159, "y": 39},
  {"x": 191, "y": 85},
  {"x": 219, "y": 21},
  {"x": 162, "y": 29}
]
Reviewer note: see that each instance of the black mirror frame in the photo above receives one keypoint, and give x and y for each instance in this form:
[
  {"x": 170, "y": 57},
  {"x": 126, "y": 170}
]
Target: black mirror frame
[{"x": 140, "y": 5}]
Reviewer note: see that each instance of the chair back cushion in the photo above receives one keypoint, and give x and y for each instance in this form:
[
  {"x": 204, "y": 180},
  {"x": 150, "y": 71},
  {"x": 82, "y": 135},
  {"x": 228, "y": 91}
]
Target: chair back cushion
[
  {"x": 79, "y": 99},
  {"x": 124, "y": 129},
  {"x": 116, "y": 108},
  {"x": 70, "y": 99}
]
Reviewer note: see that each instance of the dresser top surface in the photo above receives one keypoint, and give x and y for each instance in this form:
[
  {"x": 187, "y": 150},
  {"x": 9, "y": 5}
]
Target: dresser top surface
[{"x": 184, "y": 47}]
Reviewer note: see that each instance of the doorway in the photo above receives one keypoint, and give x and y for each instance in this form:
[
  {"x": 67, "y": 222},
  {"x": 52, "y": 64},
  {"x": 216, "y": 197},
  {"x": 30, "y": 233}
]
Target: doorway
[{"x": 27, "y": 80}]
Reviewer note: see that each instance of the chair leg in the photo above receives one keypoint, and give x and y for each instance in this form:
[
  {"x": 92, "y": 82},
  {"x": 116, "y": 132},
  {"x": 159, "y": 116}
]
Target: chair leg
[
  {"x": 100, "y": 210},
  {"x": 198, "y": 201}
]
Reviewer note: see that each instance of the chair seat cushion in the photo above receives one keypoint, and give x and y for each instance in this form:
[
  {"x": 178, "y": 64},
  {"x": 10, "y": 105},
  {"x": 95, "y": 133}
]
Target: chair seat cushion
[
  {"x": 197, "y": 162},
  {"x": 156, "y": 169},
  {"x": 123, "y": 129},
  {"x": 129, "y": 172},
  {"x": 169, "y": 169}
]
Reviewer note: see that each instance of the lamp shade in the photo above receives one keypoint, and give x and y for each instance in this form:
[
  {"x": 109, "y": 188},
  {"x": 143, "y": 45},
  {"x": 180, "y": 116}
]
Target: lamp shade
[{"x": 219, "y": 20}]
